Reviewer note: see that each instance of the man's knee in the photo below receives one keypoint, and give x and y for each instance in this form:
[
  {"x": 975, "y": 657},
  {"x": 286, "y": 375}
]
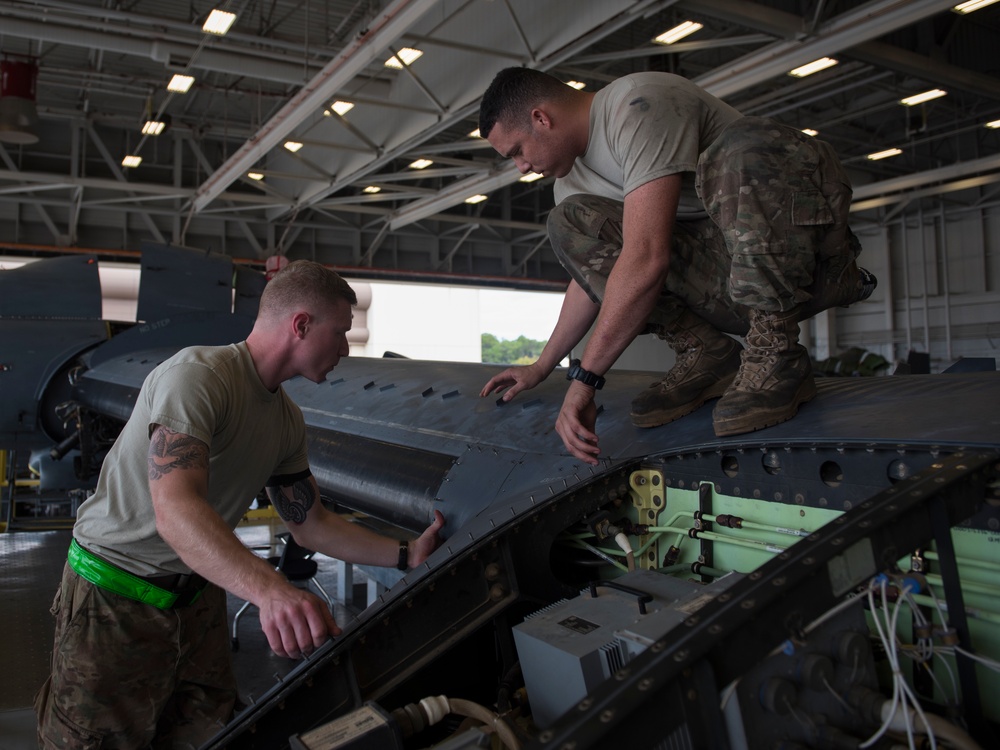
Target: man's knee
[
  {"x": 586, "y": 235},
  {"x": 581, "y": 220}
]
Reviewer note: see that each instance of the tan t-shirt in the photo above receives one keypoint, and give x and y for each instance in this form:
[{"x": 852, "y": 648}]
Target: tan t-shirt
[
  {"x": 215, "y": 395},
  {"x": 642, "y": 127}
]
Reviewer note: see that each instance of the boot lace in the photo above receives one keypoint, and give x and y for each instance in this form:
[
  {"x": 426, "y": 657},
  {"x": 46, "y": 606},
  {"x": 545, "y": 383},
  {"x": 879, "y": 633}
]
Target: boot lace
[
  {"x": 686, "y": 347},
  {"x": 765, "y": 342}
]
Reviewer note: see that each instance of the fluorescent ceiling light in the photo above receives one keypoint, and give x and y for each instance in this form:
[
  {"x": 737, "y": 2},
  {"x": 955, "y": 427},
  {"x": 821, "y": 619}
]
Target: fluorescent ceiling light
[
  {"x": 678, "y": 32},
  {"x": 407, "y": 55},
  {"x": 218, "y": 22},
  {"x": 421, "y": 164},
  {"x": 814, "y": 67},
  {"x": 293, "y": 146},
  {"x": 342, "y": 108},
  {"x": 810, "y": 131},
  {"x": 576, "y": 84},
  {"x": 924, "y": 97},
  {"x": 971, "y": 5},
  {"x": 995, "y": 124},
  {"x": 255, "y": 176},
  {"x": 153, "y": 127},
  {"x": 475, "y": 134},
  {"x": 530, "y": 177},
  {"x": 885, "y": 154},
  {"x": 131, "y": 161},
  {"x": 180, "y": 84},
  {"x": 476, "y": 198},
  {"x": 372, "y": 189}
]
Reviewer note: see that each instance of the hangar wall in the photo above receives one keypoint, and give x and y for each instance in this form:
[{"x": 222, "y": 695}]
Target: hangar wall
[
  {"x": 938, "y": 285},
  {"x": 938, "y": 268}
]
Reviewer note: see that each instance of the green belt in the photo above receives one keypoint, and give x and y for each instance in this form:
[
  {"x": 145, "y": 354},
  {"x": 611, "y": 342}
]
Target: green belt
[{"x": 111, "y": 578}]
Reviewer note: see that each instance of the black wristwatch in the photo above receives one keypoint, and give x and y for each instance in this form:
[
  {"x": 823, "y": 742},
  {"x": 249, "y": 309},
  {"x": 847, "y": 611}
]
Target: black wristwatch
[
  {"x": 584, "y": 376},
  {"x": 404, "y": 555}
]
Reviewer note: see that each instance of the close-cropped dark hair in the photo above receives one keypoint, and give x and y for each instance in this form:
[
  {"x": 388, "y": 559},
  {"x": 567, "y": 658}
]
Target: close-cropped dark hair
[
  {"x": 304, "y": 283},
  {"x": 512, "y": 95}
]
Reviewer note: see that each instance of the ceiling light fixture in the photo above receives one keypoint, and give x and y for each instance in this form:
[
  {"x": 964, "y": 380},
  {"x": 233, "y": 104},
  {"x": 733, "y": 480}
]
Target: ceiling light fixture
[
  {"x": 885, "y": 154},
  {"x": 814, "y": 67},
  {"x": 342, "y": 108},
  {"x": 576, "y": 84},
  {"x": 995, "y": 124},
  {"x": 153, "y": 127},
  {"x": 218, "y": 22},
  {"x": 530, "y": 177},
  {"x": 372, "y": 189},
  {"x": 810, "y": 132},
  {"x": 293, "y": 146},
  {"x": 180, "y": 84},
  {"x": 475, "y": 134},
  {"x": 475, "y": 198},
  {"x": 926, "y": 96},
  {"x": 257, "y": 176},
  {"x": 971, "y": 5},
  {"x": 407, "y": 55},
  {"x": 421, "y": 164},
  {"x": 678, "y": 32},
  {"x": 131, "y": 161}
]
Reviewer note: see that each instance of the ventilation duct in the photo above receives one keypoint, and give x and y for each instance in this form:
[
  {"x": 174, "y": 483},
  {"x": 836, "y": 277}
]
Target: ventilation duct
[{"x": 18, "y": 114}]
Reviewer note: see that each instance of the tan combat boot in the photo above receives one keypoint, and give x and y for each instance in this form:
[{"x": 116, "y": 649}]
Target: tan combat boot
[
  {"x": 774, "y": 378},
  {"x": 707, "y": 362}
]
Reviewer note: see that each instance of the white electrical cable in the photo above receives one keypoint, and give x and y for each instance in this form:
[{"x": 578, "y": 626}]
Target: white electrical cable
[
  {"x": 895, "y": 684},
  {"x": 920, "y": 662},
  {"x": 984, "y": 660},
  {"x": 832, "y": 612},
  {"x": 902, "y": 693},
  {"x": 897, "y": 673},
  {"x": 837, "y": 696},
  {"x": 627, "y": 549}
]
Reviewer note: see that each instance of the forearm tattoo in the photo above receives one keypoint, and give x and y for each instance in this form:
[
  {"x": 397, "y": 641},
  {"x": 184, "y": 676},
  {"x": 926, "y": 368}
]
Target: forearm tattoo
[
  {"x": 169, "y": 450},
  {"x": 294, "y": 506}
]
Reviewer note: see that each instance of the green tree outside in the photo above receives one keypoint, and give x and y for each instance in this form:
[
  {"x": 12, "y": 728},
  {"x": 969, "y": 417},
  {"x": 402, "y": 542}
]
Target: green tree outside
[{"x": 520, "y": 351}]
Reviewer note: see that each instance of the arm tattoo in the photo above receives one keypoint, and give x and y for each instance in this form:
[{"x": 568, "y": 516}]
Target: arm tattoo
[
  {"x": 294, "y": 508},
  {"x": 169, "y": 450}
]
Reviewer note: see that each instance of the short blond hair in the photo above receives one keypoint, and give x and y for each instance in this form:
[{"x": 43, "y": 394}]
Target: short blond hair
[{"x": 303, "y": 284}]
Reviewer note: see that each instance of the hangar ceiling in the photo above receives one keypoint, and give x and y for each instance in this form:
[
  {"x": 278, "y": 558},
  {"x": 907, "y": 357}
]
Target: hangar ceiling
[{"x": 103, "y": 69}]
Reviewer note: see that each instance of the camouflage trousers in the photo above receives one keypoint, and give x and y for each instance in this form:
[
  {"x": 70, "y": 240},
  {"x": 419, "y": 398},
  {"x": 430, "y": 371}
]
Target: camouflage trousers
[
  {"x": 777, "y": 202},
  {"x": 128, "y": 675}
]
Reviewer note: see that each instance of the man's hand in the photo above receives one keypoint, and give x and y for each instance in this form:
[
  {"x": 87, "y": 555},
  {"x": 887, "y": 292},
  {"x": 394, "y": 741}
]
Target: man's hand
[
  {"x": 295, "y": 621},
  {"x": 576, "y": 422},
  {"x": 422, "y": 546},
  {"x": 517, "y": 378}
]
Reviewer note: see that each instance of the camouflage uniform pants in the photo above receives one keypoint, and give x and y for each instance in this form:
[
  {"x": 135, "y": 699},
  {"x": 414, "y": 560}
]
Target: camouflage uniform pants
[
  {"x": 777, "y": 203},
  {"x": 128, "y": 675}
]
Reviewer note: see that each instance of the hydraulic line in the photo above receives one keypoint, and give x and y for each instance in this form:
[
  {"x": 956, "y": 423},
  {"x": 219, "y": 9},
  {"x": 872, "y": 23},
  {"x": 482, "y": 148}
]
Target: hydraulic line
[
  {"x": 749, "y": 543},
  {"x": 970, "y": 562},
  {"x": 744, "y": 524},
  {"x": 975, "y": 613},
  {"x": 603, "y": 554},
  {"x": 972, "y": 586}
]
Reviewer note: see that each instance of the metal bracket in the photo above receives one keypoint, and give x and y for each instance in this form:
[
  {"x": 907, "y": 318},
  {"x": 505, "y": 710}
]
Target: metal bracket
[{"x": 649, "y": 497}]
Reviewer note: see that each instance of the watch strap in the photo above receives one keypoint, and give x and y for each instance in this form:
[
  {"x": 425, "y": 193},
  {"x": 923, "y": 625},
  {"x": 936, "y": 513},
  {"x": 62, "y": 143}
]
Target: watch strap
[{"x": 576, "y": 372}]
